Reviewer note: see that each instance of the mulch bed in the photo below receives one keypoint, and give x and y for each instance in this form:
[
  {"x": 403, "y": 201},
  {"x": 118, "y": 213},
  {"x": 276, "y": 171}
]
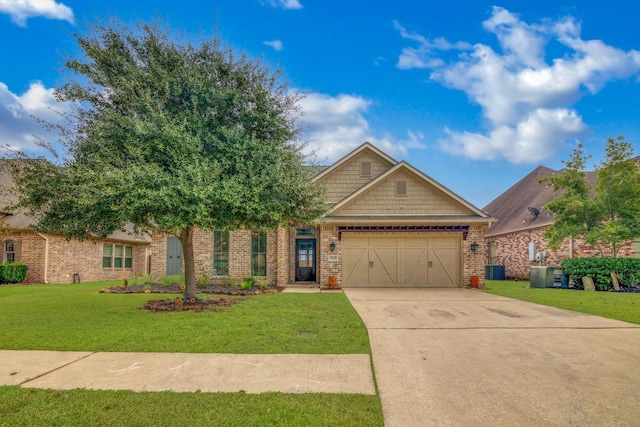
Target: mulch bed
[
  {"x": 184, "y": 304},
  {"x": 177, "y": 304}
]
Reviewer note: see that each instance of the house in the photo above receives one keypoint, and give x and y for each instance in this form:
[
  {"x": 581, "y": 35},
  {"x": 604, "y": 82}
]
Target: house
[
  {"x": 516, "y": 238},
  {"x": 53, "y": 259},
  {"x": 389, "y": 225}
]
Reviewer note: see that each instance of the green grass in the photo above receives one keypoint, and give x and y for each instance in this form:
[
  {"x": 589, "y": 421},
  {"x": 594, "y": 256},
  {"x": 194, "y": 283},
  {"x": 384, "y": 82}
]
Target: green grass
[
  {"x": 34, "y": 407},
  {"x": 76, "y": 317},
  {"x": 614, "y": 305}
]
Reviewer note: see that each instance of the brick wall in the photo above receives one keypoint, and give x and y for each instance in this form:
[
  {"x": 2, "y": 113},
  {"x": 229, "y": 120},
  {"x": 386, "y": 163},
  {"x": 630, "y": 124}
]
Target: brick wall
[
  {"x": 326, "y": 268},
  {"x": 512, "y": 250},
  {"x": 64, "y": 258},
  {"x": 239, "y": 254},
  {"x": 473, "y": 262}
]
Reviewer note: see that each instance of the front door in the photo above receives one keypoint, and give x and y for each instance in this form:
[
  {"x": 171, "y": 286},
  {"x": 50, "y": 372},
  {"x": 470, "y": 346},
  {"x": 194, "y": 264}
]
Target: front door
[
  {"x": 305, "y": 260},
  {"x": 174, "y": 255}
]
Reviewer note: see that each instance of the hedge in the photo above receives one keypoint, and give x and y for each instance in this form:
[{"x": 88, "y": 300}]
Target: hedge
[
  {"x": 13, "y": 272},
  {"x": 600, "y": 269}
]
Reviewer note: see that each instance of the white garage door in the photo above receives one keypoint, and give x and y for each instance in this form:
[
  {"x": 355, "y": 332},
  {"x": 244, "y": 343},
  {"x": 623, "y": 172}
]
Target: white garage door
[{"x": 401, "y": 261}]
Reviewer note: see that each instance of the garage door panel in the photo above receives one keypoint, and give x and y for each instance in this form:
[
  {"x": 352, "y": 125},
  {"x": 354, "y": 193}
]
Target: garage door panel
[
  {"x": 411, "y": 261},
  {"x": 445, "y": 269},
  {"x": 356, "y": 267},
  {"x": 413, "y": 265},
  {"x": 384, "y": 266}
]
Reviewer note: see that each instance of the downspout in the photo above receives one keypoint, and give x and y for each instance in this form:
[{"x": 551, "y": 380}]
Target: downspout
[{"x": 46, "y": 257}]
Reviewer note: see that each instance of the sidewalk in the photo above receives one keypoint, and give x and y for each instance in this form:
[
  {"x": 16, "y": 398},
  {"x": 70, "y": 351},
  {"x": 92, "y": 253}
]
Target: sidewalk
[{"x": 188, "y": 372}]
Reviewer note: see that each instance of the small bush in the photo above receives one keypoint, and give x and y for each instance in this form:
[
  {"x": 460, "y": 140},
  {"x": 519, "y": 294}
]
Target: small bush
[
  {"x": 263, "y": 283},
  {"x": 13, "y": 272},
  {"x": 142, "y": 280},
  {"x": 174, "y": 279},
  {"x": 600, "y": 269},
  {"x": 203, "y": 280},
  {"x": 230, "y": 282},
  {"x": 248, "y": 283}
]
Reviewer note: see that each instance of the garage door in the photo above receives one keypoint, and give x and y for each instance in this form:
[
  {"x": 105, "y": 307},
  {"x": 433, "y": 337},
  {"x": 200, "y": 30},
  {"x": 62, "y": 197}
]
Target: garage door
[{"x": 380, "y": 261}]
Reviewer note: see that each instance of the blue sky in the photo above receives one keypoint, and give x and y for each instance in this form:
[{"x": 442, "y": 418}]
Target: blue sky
[{"x": 473, "y": 93}]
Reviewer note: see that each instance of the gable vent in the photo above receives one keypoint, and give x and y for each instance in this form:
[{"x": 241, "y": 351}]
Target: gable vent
[
  {"x": 365, "y": 169},
  {"x": 401, "y": 188}
]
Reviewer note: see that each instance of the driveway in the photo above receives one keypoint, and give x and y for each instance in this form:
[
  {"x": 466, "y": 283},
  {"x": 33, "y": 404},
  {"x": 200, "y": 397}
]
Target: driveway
[{"x": 462, "y": 357}]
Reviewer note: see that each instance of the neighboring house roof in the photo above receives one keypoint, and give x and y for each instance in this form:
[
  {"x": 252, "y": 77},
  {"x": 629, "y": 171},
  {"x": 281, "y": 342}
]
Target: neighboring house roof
[
  {"x": 19, "y": 220},
  {"x": 511, "y": 208}
]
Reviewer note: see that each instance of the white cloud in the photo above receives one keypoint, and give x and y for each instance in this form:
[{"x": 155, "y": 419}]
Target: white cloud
[
  {"x": 285, "y": 4},
  {"x": 526, "y": 100},
  {"x": 336, "y": 125},
  {"x": 17, "y": 112},
  {"x": 21, "y": 10},
  {"x": 275, "y": 44}
]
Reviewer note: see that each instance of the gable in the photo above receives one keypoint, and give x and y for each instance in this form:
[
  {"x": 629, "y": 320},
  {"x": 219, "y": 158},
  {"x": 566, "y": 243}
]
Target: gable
[
  {"x": 422, "y": 198},
  {"x": 346, "y": 176}
]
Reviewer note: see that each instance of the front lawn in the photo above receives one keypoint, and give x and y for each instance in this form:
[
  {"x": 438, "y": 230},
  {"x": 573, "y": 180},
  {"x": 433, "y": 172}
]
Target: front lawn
[
  {"x": 75, "y": 317},
  {"x": 614, "y": 305},
  {"x": 34, "y": 407}
]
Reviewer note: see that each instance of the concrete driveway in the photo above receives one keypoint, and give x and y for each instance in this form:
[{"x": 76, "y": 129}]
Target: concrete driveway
[{"x": 461, "y": 357}]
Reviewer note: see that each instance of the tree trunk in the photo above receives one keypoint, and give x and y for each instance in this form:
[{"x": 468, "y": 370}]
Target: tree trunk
[{"x": 186, "y": 238}]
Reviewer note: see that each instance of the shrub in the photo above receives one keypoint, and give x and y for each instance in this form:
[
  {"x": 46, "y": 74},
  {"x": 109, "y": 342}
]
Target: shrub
[
  {"x": 263, "y": 283},
  {"x": 142, "y": 280},
  {"x": 230, "y": 282},
  {"x": 600, "y": 269},
  {"x": 248, "y": 283},
  {"x": 13, "y": 272},
  {"x": 203, "y": 280},
  {"x": 174, "y": 279}
]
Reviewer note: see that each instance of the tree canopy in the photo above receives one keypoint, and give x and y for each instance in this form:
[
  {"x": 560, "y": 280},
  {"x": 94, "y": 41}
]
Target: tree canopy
[
  {"x": 169, "y": 135},
  {"x": 604, "y": 214}
]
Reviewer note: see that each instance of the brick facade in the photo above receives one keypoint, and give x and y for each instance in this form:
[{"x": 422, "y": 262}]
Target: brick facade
[
  {"x": 512, "y": 250},
  {"x": 239, "y": 254},
  {"x": 53, "y": 259}
]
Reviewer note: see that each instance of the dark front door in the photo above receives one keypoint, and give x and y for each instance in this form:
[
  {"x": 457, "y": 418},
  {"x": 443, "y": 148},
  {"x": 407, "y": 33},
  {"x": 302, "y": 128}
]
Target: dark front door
[{"x": 306, "y": 260}]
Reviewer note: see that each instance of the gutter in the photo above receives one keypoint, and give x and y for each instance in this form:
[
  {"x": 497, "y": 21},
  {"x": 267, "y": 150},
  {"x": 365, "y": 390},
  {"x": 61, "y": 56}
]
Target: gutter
[{"x": 46, "y": 258}]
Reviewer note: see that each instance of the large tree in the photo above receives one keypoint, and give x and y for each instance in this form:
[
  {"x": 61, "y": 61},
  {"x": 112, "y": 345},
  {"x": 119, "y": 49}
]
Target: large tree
[
  {"x": 604, "y": 214},
  {"x": 170, "y": 135}
]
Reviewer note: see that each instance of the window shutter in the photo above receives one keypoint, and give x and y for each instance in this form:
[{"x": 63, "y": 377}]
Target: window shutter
[{"x": 17, "y": 247}]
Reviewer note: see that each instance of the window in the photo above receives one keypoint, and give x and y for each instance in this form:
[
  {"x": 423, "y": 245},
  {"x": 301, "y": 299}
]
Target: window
[
  {"x": 365, "y": 169},
  {"x": 401, "y": 188},
  {"x": 128, "y": 257},
  {"x": 106, "y": 255},
  {"x": 220, "y": 253},
  {"x": 306, "y": 232},
  {"x": 11, "y": 251},
  {"x": 118, "y": 256},
  {"x": 258, "y": 253}
]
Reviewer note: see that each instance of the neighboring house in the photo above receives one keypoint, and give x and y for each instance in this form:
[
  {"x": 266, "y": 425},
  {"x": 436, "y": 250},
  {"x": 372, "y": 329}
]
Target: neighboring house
[
  {"x": 521, "y": 222},
  {"x": 389, "y": 225},
  {"x": 52, "y": 259}
]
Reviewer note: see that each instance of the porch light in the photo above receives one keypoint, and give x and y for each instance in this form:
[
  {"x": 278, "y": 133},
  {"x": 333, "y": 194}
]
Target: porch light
[
  {"x": 332, "y": 246},
  {"x": 474, "y": 247}
]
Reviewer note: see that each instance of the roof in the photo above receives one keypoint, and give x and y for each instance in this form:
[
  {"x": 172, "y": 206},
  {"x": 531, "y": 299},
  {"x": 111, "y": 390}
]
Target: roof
[
  {"x": 356, "y": 191},
  {"x": 18, "y": 219},
  {"x": 511, "y": 208}
]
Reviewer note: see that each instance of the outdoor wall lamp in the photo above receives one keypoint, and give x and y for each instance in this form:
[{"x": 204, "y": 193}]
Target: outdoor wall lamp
[
  {"x": 332, "y": 246},
  {"x": 474, "y": 247}
]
